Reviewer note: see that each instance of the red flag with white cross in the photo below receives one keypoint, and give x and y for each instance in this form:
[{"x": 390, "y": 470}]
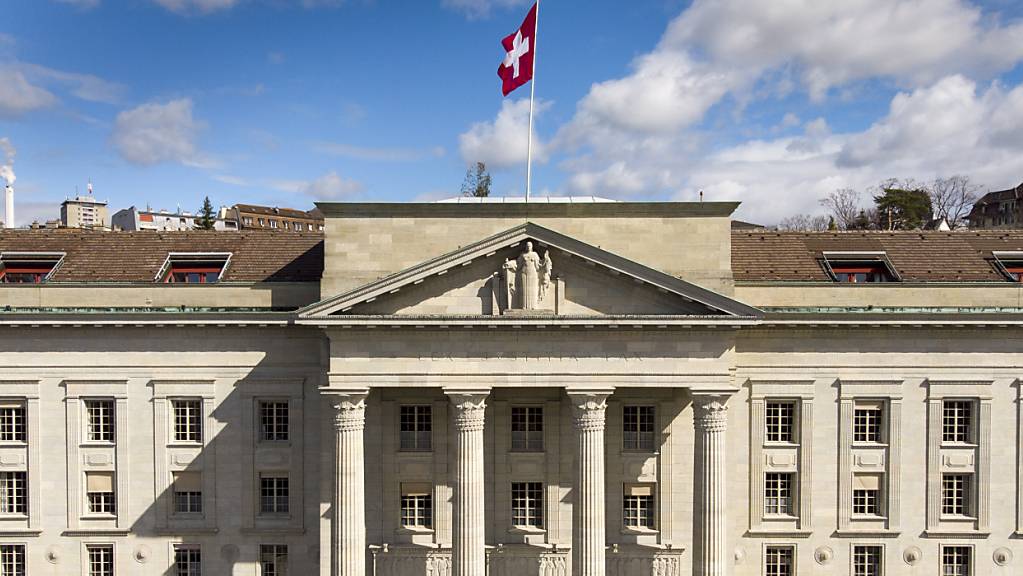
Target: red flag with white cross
[{"x": 520, "y": 50}]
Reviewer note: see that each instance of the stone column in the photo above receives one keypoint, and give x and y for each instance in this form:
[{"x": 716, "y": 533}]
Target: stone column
[
  {"x": 350, "y": 488},
  {"x": 588, "y": 529},
  {"x": 711, "y": 420},
  {"x": 468, "y": 539}
]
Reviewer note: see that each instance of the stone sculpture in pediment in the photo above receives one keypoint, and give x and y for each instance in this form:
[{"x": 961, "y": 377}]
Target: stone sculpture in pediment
[{"x": 526, "y": 283}]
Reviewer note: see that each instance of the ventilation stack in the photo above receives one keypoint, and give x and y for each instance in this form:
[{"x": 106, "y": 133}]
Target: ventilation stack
[{"x": 9, "y": 206}]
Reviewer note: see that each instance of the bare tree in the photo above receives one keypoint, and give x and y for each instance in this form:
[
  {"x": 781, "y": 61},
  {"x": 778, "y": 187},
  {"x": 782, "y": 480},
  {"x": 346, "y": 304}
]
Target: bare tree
[
  {"x": 804, "y": 223},
  {"x": 844, "y": 205},
  {"x": 952, "y": 198}
]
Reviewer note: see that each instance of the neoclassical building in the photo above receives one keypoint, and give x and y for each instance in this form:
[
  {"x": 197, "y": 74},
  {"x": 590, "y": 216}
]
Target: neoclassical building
[{"x": 494, "y": 387}]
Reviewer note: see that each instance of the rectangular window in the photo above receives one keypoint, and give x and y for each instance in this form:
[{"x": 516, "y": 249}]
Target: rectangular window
[
  {"x": 867, "y": 495},
  {"x": 187, "y": 493},
  {"x": 99, "y": 415},
  {"x": 778, "y": 494},
  {"x": 27, "y": 268},
  {"x": 867, "y": 560},
  {"x": 638, "y": 428},
  {"x": 955, "y": 494},
  {"x": 416, "y": 428},
  {"x": 416, "y": 505},
  {"x": 527, "y": 428},
  {"x": 187, "y": 561},
  {"x": 779, "y": 417},
  {"x": 12, "y": 560},
  {"x": 527, "y": 504},
  {"x": 12, "y": 493},
  {"x": 638, "y": 506},
  {"x": 273, "y": 494},
  {"x": 778, "y": 561},
  {"x": 12, "y": 422},
  {"x": 956, "y": 421},
  {"x": 101, "y": 559},
  {"x": 99, "y": 491},
  {"x": 956, "y": 561},
  {"x": 273, "y": 420},
  {"x": 867, "y": 422},
  {"x": 187, "y": 420},
  {"x": 273, "y": 560}
]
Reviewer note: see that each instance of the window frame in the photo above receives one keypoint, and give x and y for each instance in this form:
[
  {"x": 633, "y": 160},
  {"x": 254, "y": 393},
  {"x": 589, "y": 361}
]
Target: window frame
[
  {"x": 789, "y": 556},
  {"x": 110, "y": 551},
  {"x": 840, "y": 265},
  {"x": 16, "y": 480},
  {"x": 875, "y": 426},
  {"x": 528, "y": 503},
  {"x": 41, "y": 265},
  {"x": 639, "y": 439},
  {"x": 101, "y": 504},
  {"x": 186, "y": 435},
  {"x": 275, "y": 490},
  {"x": 193, "y": 553},
  {"x": 413, "y": 440},
  {"x": 201, "y": 263},
  {"x": 969, "y": 435},
  {"x": 791, "y": 426},
  {"x": 639, "y": 512},
  {"x": 958, "y": 548},
  {"x": 781, "y": 492},
  {"x": 272, "y": 434},
  {"x": 529, "y": 438},
  {"x": 415, "y": 504},
  {"x": 854, "y": 565},
  {"x": 20, "y": 556},
  {"x": 273, "y": 550},
  {"x": 957, "y": 506},
  {"x": 111, "y": 420}
]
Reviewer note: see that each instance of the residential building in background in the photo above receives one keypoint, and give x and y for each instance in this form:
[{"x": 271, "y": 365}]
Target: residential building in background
[
  {"x": 1001, "y": 209},
  {"x": 552, "y": 389},
  {"x": 134, "y": 219},
  {"x": 84, "y": 212},
  {"x": 251, "y": 216}
]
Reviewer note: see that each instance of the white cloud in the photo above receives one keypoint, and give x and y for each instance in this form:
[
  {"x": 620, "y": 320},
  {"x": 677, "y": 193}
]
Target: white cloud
[
  {"x": 18, "y": 95},
  {"x": 481, "y": 8},
  {"x": 200, "y": 6},
  {"x": 378, "y": 154},
  {"x": 84, "y": 86},
  {"x": 155, "y": 133},
  {"x": 503, "y": 142},
  {"x": 832, "y": 43},
  {"x": 331, "y": 186}
]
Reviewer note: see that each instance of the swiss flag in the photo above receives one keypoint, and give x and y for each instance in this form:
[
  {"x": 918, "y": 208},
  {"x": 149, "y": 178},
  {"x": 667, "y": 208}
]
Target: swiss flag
[{"x": 520, "y": 50}]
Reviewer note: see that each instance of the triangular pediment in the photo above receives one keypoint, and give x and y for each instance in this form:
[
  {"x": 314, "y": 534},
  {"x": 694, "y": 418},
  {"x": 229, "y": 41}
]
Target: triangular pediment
[{"x": 530, "y": 272}]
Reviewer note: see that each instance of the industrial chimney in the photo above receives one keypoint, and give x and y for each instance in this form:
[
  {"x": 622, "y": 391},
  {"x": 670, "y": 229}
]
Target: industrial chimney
[{"x": 9, "y": 206}]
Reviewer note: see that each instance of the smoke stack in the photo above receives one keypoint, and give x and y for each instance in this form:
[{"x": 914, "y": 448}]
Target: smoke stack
[{"x": 9, "y": 206}]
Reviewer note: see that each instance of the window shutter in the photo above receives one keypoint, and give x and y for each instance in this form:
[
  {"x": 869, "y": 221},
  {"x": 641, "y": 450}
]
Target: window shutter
[
  {"x": 869, "y": 404},
  {"x": 187, "y": 482},
  {"x": 99, "y": 481},
  {"x": 416, "y": 488},
  {"x": 866, "y": 482},
  {"x": 10, "y": 404}
]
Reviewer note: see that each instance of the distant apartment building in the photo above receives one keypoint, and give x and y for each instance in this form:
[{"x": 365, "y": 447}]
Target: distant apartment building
[
  {"x": 84, "y": 212},
  {"x": 133, "y": 219},
  {"x": 1001, "y": 209},
  {"x": 251, "y": 216}
]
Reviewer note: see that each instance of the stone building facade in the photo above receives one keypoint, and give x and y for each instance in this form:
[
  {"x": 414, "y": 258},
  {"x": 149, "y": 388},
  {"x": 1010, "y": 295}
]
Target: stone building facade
[{"x": 510, "y": 389}]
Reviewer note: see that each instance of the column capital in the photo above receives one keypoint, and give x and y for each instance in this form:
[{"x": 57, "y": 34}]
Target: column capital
[
  {"x": 350, "y": 407},
  {"x": 470, "y": 407},
  {"x": 589, "y": 408},
  {"x": 711, "y": 409}
]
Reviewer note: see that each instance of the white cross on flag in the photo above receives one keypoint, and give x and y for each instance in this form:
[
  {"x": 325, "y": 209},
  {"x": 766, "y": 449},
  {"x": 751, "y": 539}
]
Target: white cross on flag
[{"x": 517, "y": 68}]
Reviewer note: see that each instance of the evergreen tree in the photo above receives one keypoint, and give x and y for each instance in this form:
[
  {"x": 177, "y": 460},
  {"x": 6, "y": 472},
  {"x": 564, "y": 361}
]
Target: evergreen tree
[
  {"x": 207, "y": 216},
  {"x": 902, "y": 207}
]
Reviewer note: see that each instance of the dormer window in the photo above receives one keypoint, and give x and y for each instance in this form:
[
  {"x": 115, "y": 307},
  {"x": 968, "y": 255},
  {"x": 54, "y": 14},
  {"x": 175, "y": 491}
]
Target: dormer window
[
  {"x": 28, "y": 267},
  {"x": 1010, "y": 264},
  {"x": 194, "y": 268},
  {"x": 859, "y": 267}
]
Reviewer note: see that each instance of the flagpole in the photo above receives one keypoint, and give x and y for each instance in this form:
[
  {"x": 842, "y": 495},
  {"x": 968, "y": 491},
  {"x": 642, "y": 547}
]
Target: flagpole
[{"x": 532, "y": 92}]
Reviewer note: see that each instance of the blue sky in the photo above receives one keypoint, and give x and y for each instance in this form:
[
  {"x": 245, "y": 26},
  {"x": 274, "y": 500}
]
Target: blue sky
[{"x": 163, "y": 102}]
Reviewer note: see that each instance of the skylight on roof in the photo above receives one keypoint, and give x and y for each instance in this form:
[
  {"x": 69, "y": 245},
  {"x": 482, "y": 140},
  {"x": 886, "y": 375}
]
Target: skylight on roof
[
  {"x": 859, "y": 267},
  {"x": 194, "y": 267},
  {"x": 1010, "y": 264},
  {"x": 28, "y": 267}
]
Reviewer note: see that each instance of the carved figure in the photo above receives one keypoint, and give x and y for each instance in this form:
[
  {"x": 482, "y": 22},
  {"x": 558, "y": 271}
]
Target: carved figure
[
  {"x": 529, "y": 278},
  {"x": 526, "y": 281}
]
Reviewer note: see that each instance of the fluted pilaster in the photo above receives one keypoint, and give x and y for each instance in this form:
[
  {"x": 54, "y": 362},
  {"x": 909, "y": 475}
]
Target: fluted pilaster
[
  {"x": 468, "y": 552},
  {"x": 711, "y": 420},
  {"x": 350, "y": 491},
  {"x": 588, "y": 530}
]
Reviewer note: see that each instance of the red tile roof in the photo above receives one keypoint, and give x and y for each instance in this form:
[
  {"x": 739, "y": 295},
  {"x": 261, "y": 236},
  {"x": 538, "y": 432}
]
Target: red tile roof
[
  {"x": 918, "y": 256},
  {"x": 96, "y": 256}
]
